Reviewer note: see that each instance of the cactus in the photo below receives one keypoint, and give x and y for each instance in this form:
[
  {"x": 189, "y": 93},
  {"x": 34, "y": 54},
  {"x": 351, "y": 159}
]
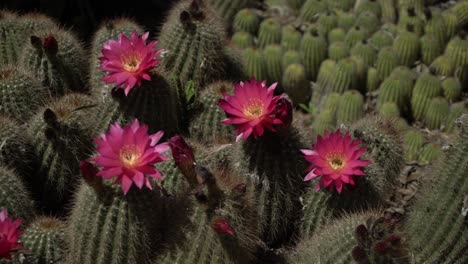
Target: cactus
[
  {"x": 436, "y": 112},
  {"x": 350, "y": 107},
  {"x": 343, "y": 76},
  {"x": 436, "y": 26},
  {"x": 269, "y": 33},
  {"x": 107, "y": 227},
  {"x": 366, "y": 52},
  {"x": 407, "y": 18},
  {"x": 62, "y": 134},
  {"x": 311, "y": 8},
  {"x": 16, "y": 148},
  {"x": 462, "y": 74},
  {"x": 372, "y": 6},
  {"x": 243, "y": 40},
  {"x": 20, "y": 92},
  {"x": 427, "y": 87},
  {"x": 314, "y": 51},
  {"x": 456, "y": 110},
  {"x": 295, "y": 4},
  {"x": 389, "y": 12},
  {"x": 336, "y": 35},
  {"x": 407, "y": 75},
  {"x": 290, "y": 57},
  {"x": 356, "y": 35},
  {"x": 338, "y": 51},
  {"x": 291, "y": 38},
  {"x": 346, "y": 20},
  {"x": 394, "y": 90},
  {"x": 14, "y": 195},
  {"x": 255, "y": 64},
  {"x": 345, "y": 5},
  {"x": 416, "y": 5},
  {"x": 324, "y": 121},
  {"x": 373, "y": 80},
  {"x": 246, "y": 20},
  {"x": 457, "y": 51},
  {"x": 331, "y": 102},
  {"x": 381, "y": 38},
  {"x": 327, "y": 22},
  {"x": 461, "y": 10},
  {"x": 44, "y": 237},
  {"x": 451, "y": 23},
  {"x": 429, "y": 154},
  {"x": 228, "y": 9},
  {"x": 389, "y": 110},
  {"x": 452, "y": 89},
  {"x": 193, "y": 37},
  {"x": 443, "y": 66},
  {"x": 207, "y": 128},
  {"x": 368, "y": 20},
  {"x": 437, "y": 231},
  {"x": 57, "y": 59},
  {"x": 387, "y": 60},
  {"x": 273, "y": 55},
  {"x": 413, "y": 141},
  {"x": 431, "y": 48},
  {"x": 407, "y": 47},
  {"x": 295, "y": 84}
]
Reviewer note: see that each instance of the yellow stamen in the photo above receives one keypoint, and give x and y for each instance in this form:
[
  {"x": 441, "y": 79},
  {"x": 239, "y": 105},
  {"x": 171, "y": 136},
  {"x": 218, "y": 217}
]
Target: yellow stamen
[
  {"x": 336, "y": 161},
  {"x": 129, "y": 156},
  {"x": 254, "y": 109},
  {"x": 131, "y": 63}
]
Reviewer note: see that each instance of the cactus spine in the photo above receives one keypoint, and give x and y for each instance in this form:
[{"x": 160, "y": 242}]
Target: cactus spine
[
  {"x": 246, "y": 20},
  {"x": 350, "y": 108},
  {"x": 407, "y": 46},
  {"x": 291, "y": 38},
  {"x": 381, "y": 38},
  {"x": 243, "y": 40},
  {"x": 314, "y": 51},
  {"x": 436, "y": 112},
  {"x": 255, "y": 64},
  {"x": 295, "y": 84},
  {"x": 427, "y": 87},
  {"x": 273, "y": 55},
  {"x": 269, "y": 33},
  {"x": 338, "y": 50},
  {"x": 14, "y": 195},
  {"x": 387, "y": 60}
]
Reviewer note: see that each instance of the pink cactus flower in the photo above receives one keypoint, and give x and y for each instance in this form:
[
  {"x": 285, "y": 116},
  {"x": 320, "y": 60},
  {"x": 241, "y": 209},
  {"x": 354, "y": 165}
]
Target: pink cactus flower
[
  {"x": 9, "y": 234},
  {"x": 128, "y": 61},
  {"x": 251, "y": 109},
  {"x": 221, "y": 226},
  {"x": 130, "y": 154},
  {"x": 335, "y": 159}
]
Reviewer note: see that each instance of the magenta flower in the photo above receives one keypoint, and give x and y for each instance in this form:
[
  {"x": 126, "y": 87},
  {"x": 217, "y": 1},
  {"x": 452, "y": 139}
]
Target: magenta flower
[
  {"x": 335, "y": 159},
  {"x": 9, "y": 234},
  {"x": 221, "y": 226},
  {"x": 130, "y": 154},
  {"x": 251, "y": 109},
  {"x": 128, "y": 61}
]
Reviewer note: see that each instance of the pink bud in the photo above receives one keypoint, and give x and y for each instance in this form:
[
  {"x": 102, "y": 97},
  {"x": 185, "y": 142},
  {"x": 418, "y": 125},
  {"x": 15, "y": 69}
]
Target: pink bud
[
  {"x": 50, "y": 45},
  {"x": 284, "y": 113},
  {"x": 381, "y": 247},
  {"x": 221, "y": 226},
  {"x": 88, "y": 170},
  {"x": 181, "y": 151}
]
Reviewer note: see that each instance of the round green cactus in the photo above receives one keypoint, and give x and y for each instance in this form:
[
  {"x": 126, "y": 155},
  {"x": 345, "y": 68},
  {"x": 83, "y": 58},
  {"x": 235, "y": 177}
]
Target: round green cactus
[
  {"x": 456, "y": 110},
  {"x": 228, "y": 9},
  {"x": 427, "y": 87},
  {"x": 394, "y": 90},
  {"x": 381, "y": 38},
  {"x": 452, "y": 89},
  {"x": 461, "y": 10},
  {"x": 431, "y": 48},
  {"x": 327, "y": 21},
  {"x": 243, "y": 40},
  {"x": 291, "y": 38},
  {"x": 296, "y": 85},
  {"x": 436, "y": 26},
  {"x": 368, "y": 20},
  {"x": 387, "y": 60},
  {"x": 407, "y": 46},
  {"x": 311, "y": 8},
  {"x": 350, "y": 108},
  {"x": 290, "y": 57},
  {"x": 255, "y": 64},
  {"x": 457, "y": 51},
  {"x": 366, "y": 52},
  {"x": 356, "y": 35},
  {"x": 338, "y": 50},
  {"x": 336, "y": 35},
  {"x": 273, "y": 55},
  {"x": 343, "y": 76},
  {"x": 413, "y": 141},
  {"x": 436, "y": 113},
  {"x": 20, "y": 92},
  {"x": 451, "y": 22},
  {"x": 324, "y": 77},
  {"x": 346, "y": 20},
  {"x": 429, "y": 154},
  {"x": 372, "y": 6},
  {"x": 269, "y": 33},
  {"x": 345, "y": 5},
  {"x": 373, "y": 80},
  {"x": 389, "y": 11},
  {"x": 324, "y": 121},
  {"x": 442, "y": 66},
  {"x": 389, "y": 110},
  {"x": 246, "y": 20},
  {"x": 14, "y": 194},
  {"x": 407, "y": 18},
  {"x": 314, "y": 51}
]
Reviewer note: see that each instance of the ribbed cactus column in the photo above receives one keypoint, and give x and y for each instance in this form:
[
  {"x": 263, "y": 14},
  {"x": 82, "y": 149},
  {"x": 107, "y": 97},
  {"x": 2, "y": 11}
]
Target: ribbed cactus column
[
  {"x": 62, "y": 136},
  {"x": 14, "y": 195},
  {"x": 435, "y": 226},
  {"x": 58, "y": 59},
  {"x": 193, "y": 38},
  {"x": 227, "y": 9},
  {"x": 314, "y": 51}
]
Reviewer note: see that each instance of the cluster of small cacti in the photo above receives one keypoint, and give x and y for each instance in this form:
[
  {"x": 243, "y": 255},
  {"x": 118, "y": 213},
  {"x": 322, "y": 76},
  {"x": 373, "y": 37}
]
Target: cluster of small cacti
[{"x": 193, "y": 145}]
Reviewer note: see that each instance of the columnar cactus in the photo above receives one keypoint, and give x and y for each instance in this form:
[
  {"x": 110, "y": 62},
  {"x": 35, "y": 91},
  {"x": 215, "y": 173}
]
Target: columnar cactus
[
  {"x": 427, "y": 87},
  {"x": 350, "y": 107},
  {"x": 14, "y": 194},
  {"x": 314, "y": 51},
  {"x": 269, "y": 33},
  {"x": 246, "y": 20}
]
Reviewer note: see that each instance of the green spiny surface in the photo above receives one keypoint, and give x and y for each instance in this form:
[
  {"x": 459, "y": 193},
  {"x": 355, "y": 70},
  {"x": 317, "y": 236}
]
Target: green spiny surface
[
  {"x": 387, "y": 60},
  {"x": 44, "y": 237},
  {"x": 389, "y": 110},
  {"x": 346, "y": 20},
  {"x": 273, "y": 55},
  {"x": 394, "y": 90},
  {"x": 429, "y": 154},
  {"x": 331, "y": 102},
  {"x": 296, "y": 85},
  {"x": 327, "y": 21},
  {"x": 338, "y": 50},
  {"x": 457, "y": 51},
  {"x": 413, "y": 142},
  {"x": 243, "y": 40},
  {"x": 336, "y": 35},
  {"x": 324, "y": 121},
  {"x": 461, "y": 10},
  {"x": 279, "y": 167},
  {"x": 62, "y": 136},
  {"x": 373, "y": 80},
  {"x": 109, "y": 227},
  {"x": 451, "y": 23},
  {"x": 442, "y": 66},
  {"x": 255, "y": 64},
  {"x": 436, "y": 112},
  {"x": 366, "y": 52},
  {"x": 227, "y": 9},
  {"x": 345, "y": 5},
  {"x": 436, "y": 229},
  {"x": 311, "y": 8},
  {"x": 62, "y": 71},
  {"x": 344, "y": 76},
  {"x": 456, "y": 110},
  {"x": 290, "y": 57},
  {"x": 295, "y": 4},
  {"x": 14, "y": 195},
  {"x": 314, "y": 51},
  {"x": 409, "y": 18},
  {"x": 291, "y": 38},
  {"x": 407, "y": 45},
  {"x": 246, "y": 20},
  {"x": 356, "y": 35},
  {"x": 207, "y": 127},
  {"x": 389, "y": 12},
  {"x": 431, "y": 48},
  {"x": 324, "y": 76},
  {"x": 427, "y": 87},
  {"x": 194, "y": 38},
  {"x": 381, "y": 38},
  {"x": 452, "y": 89},
  {"x": 20, "y": 92},
  {"x": 368, "y": 20},
  {"x": 350, "y": 107},
  {"x": 372, "y": 6},
  {"x": 269, "y": 33}
]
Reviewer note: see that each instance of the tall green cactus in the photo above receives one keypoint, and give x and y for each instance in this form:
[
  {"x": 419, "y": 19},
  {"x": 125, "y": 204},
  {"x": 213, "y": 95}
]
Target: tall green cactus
[
  {"x": 295, "y": 84},
  {"x": 427, "y": 87},
  {"x": 228, "y": 9},
  {"x": 407, "y": 46},
  {"x": 269, "y": 33},
  {"x": 14, "y": 195},
  {"x": 431, "y": 48},
  {"x": 350, "y": 107},
  {"x": 436, "y": 112},
  {"x": 246, "y": 20},
  {"x": 380, "y": 39},
  {"x": 255, "y": 64},
  {"x": 314, "y": 51},
  {"x": 413, "y": 141},
  {"x": 273, "y": 55},
  {"x": 311, "y": 8},
  {"x": 291, "y": 38},
  {"x": 387, "y": 60}
]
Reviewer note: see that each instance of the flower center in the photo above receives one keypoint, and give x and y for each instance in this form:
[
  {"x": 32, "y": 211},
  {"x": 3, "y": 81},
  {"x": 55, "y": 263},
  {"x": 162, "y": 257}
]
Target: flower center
[
  {"x": 131, "y": 63},
  {"x": 336, "y": 161},
  {"x": 130, "y": 156},
  {"x": 254, "y": 109}
]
